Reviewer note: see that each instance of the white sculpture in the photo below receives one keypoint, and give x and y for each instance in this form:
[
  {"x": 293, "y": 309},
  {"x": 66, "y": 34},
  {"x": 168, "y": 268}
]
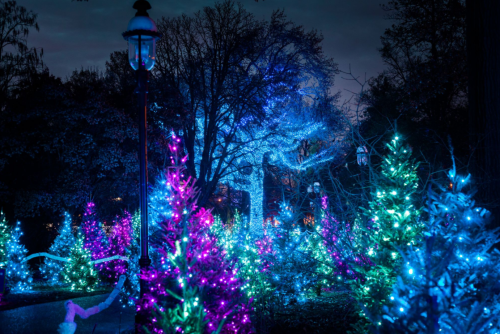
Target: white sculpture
[{"x": 69, "y": 325}]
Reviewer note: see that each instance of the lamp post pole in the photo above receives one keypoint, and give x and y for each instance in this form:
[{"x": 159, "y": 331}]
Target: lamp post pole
[
  {"x": 141, "y": 35},
  {"x": 142, "y": 91}
]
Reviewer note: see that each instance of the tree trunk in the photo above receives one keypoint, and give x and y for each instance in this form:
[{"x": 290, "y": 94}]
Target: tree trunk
[{"x": 483, "y": 53}]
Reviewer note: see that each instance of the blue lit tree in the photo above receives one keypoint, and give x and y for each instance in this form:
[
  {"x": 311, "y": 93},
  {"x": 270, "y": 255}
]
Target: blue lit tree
[
  {"x": 452, "y": 283},
  {"x": 159, "y": 206},
  {"x": 18, "y": 272},
  {"x": 279, "y": 137},
  {"x": 292, "y": 254},
  {"x": 4, "y": 239},
  {"x": 51, "y": 269},
  {"x": 279, "y": 61}
]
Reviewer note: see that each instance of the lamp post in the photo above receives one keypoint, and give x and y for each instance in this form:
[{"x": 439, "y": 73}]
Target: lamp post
[
  {"x": 362, "y": 158},
  {"x": 141, "y": 36}
]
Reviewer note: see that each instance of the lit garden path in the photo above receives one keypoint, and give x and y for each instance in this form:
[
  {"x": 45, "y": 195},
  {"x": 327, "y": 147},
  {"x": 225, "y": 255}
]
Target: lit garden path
[{"x": 45, "y": 318}]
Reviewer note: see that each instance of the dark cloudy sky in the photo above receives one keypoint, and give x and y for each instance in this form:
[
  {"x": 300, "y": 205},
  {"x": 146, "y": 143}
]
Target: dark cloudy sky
[{"x": 75, "y": 34}]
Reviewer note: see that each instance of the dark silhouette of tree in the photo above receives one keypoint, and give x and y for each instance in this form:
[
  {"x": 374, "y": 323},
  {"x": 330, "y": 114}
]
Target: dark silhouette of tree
[
  {"x": 483, "y": 52},
  {"x": 424, "y": 87},
  {"x": 17, "y": 60}
]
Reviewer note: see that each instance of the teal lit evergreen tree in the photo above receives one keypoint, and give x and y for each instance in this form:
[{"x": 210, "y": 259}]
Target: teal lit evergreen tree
[
  {"x": 4, "y": 239},
  {"x": 79, "y": 270},
  {"x": 452, "y": 283},
  {"x": 250, "y": 257},
  {"x": 392, "y": 224},
  {"x": 18, "y": 272},
  {"x": 51, "y": 269},
  {"x": 324, "y": 266}
]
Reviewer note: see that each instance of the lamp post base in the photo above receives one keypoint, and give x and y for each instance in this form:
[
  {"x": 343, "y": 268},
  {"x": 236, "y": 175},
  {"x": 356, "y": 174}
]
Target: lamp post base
[{"x": 141, "y": 316}]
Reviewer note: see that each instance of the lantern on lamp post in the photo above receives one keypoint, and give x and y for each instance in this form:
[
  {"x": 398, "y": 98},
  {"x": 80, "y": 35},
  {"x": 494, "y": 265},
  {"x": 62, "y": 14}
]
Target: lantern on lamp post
[
  {"x": 141, "y": 36},
  {"x": 362, "y": 155}
]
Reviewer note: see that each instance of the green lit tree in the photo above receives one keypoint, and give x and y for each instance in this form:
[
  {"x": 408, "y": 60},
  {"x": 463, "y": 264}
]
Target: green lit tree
[
  {"x": 188, "y": 316},
  {"x": 325, "y": 266},
  {"x": 248, "y": 255},
  {"x": 4, "y": 239},
  {"x": 79, "y": 271},
  {"x": 391, "y": 225}
]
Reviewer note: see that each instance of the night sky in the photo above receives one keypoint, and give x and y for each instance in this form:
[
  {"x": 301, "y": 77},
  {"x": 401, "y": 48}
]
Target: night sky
[{"x": 75, "y": 34}]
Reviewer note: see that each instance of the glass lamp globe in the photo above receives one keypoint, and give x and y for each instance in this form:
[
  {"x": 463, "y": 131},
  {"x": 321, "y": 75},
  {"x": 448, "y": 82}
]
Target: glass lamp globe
[{"x": 141, "y": 35}]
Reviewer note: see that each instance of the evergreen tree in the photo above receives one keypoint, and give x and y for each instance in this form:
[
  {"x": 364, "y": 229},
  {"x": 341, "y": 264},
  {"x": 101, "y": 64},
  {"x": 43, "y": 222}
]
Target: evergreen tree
[
  {"x": 211, "y": 274},
  {"x": 250, "y": 257},
  {"x": 392, "y": 225},
  {"x": 159, "y": 204},
  {"x": 452, "y": 283},
  {"x": 324, "y": 266},
  {"x": 51, "y": 269},
  {"x": 18, "y": 272},
  {"x": 94, "y": 237},
  {"x": 5, "y": 234},
  {"x": 130, "y": 291},
  {"x": 79, "y": 270},
  {"x": 188, "y": 316},
  {"x": 119, "y": 244},
  {"x": 291, "y": 254}
]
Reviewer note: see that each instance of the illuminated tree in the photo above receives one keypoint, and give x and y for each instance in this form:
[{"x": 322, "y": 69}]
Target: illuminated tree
[
  {"x": 119, "y": 244},
  {"x": 130, "y": 292},
  {"x": 325, "y": 266},
  {"x": 392, "y": 225},
  {"x": 159, "y": 203},
  {"x": 188, "y": 316},
  {"x": 209, "y": 271},
  {"x": 79, "y": 270},
  {"x": 250, "y": 257},
  {"x": 18, "y": 272},
  {"x": 51, "y": 269},
  {"x": 258, "y": 62},
  {"x": 451, "y": 283},
  {"x": 159, "y": 210},
  {"x": 4, "y": 239},
  {"x": 94, "y": 237},
  {"x": 291, "y": 254}
]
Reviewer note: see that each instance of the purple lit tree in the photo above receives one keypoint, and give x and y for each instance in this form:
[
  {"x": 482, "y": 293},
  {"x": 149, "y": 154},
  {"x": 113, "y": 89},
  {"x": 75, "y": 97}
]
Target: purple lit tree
[
  {"x": 94, "y": 237},
  {"x": 119, "y": 244},
  {"x": 209, "y": 271}
]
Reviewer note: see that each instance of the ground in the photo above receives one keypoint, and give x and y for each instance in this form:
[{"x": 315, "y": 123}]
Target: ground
[
  {"x": 44, "y": 294},
  {"x": 45, "y": 318},
  {"x": 41, "y": 311},
  {"x": 330, "y": 313}
]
